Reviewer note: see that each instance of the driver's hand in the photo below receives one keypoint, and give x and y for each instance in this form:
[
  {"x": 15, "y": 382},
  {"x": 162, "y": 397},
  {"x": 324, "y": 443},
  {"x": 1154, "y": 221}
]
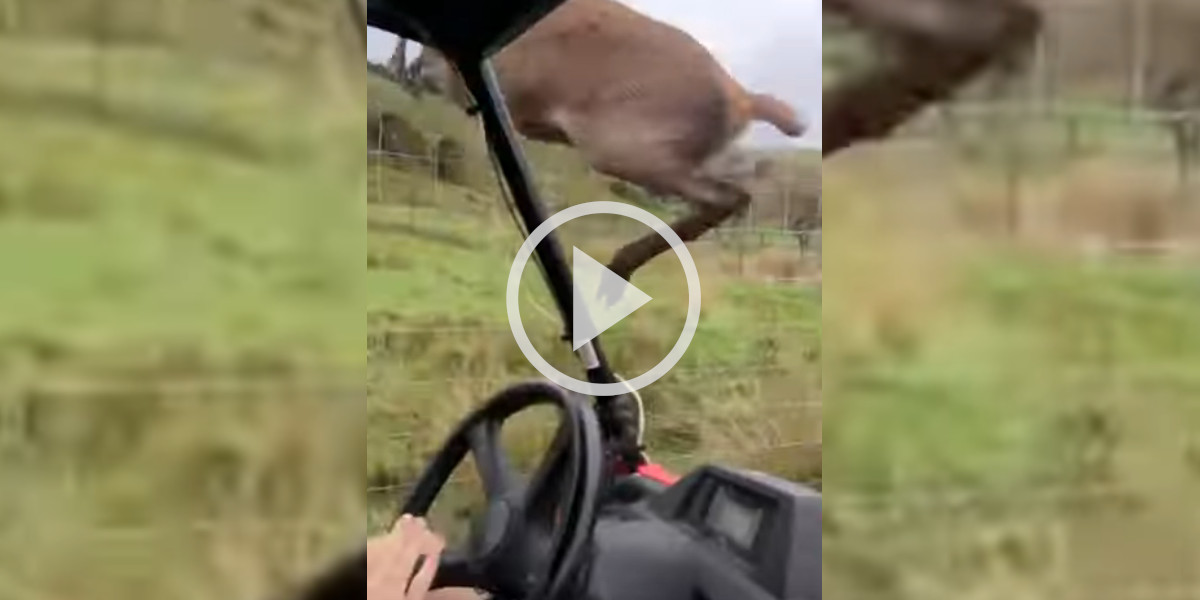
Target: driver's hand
[{"x": 392, "y": 572}]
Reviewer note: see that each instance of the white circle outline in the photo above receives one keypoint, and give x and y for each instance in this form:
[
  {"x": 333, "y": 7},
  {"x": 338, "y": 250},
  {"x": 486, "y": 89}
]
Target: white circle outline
[{"x": 514, "y": 284}]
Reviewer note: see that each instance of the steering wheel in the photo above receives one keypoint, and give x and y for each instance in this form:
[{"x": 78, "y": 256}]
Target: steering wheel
[{"x": 534, "y": 532}]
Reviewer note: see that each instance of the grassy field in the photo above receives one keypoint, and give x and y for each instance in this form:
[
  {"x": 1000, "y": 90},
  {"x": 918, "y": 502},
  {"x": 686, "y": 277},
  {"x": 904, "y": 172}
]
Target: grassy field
[
  {"x": 1008, "y": 417},
  {"x": 180, "y": 342}
]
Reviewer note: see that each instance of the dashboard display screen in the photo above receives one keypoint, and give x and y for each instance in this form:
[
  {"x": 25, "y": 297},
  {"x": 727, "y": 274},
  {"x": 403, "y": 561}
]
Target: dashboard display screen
[{"x": 734, "y": 517}]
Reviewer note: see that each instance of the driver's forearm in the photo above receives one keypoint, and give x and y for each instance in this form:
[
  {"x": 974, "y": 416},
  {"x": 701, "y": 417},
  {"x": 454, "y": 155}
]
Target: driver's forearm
[{"x": 454, "y": 594}]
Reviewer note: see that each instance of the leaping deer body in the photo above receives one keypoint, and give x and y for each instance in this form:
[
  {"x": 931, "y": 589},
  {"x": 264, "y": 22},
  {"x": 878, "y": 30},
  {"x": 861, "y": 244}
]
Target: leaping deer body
[
  {"x": 937, "y": 47},
  {"x": 641, "y": 100}
]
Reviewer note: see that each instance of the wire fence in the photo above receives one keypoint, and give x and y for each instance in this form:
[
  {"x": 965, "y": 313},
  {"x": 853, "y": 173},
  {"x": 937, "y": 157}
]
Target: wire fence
[
  {"x": 776, "y": 240},
  {"x": 1109, "y": 86},
  {"x": 1107, "y": 178}
]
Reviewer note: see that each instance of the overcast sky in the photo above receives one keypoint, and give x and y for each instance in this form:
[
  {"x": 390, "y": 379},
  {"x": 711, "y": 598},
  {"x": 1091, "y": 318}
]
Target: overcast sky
[{"x": 770, "y": 46}]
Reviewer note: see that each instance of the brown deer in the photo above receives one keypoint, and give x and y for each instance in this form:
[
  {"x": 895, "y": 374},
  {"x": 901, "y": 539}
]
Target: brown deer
[{"x": 641, "y": 100}]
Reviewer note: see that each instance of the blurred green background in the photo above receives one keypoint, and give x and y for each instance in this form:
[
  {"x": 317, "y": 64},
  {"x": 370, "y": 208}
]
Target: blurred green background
[
  {"x": 1012, "y": 327},
  {"x": 1005, "y": 418},
  {"x": 181, "y": 237}
]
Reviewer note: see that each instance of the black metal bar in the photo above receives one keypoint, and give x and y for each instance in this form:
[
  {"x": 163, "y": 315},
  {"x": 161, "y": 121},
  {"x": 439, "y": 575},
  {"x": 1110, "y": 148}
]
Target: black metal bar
[
  {"x": 480, "y": 80},
  {"x": 502, "y": 139}
]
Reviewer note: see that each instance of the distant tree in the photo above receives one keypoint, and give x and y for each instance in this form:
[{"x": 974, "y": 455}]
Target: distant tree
[{"x": 398, "y": 62}]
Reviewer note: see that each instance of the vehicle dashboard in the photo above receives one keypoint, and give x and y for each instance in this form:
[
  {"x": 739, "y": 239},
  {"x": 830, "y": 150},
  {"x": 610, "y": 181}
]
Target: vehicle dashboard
[{"x": 717, "y": 534}]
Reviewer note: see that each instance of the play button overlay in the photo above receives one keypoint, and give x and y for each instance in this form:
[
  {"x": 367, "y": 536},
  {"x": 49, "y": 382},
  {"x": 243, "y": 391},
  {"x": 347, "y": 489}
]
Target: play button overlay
[
  {"x": 594, "y": 289},
  {"x": 593, "y": 285}
]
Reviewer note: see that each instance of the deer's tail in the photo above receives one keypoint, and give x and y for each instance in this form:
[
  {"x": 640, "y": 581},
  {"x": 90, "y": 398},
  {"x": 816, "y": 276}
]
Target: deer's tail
[{"x": 780, "y": 114}]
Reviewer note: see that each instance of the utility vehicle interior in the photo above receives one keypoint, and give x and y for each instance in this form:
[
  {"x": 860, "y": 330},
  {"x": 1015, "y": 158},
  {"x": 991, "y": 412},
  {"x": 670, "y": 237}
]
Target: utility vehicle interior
[{"x": 596, "y": 520}]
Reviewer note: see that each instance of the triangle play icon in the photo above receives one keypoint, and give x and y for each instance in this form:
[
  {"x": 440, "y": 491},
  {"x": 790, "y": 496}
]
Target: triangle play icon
[{"x": 594, "y": 286}]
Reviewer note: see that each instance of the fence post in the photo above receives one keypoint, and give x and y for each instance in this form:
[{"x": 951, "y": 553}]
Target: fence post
[
  {"x": 1041, "y": 73},
  {"x": 1140, "y": 24},
  {"x": 380, "y": 158},
  {"x": 435, "y": 162},
  {"x": 1013, "y": 146},
  {"x": 736, "y": 229},
  {"x": 787, "y": 213},
  {"x": 1187, "y": 163}
]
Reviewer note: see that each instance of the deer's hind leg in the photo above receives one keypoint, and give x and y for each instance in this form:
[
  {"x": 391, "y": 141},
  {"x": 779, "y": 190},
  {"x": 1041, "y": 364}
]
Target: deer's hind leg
[{"x": 712, "y": 201}]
